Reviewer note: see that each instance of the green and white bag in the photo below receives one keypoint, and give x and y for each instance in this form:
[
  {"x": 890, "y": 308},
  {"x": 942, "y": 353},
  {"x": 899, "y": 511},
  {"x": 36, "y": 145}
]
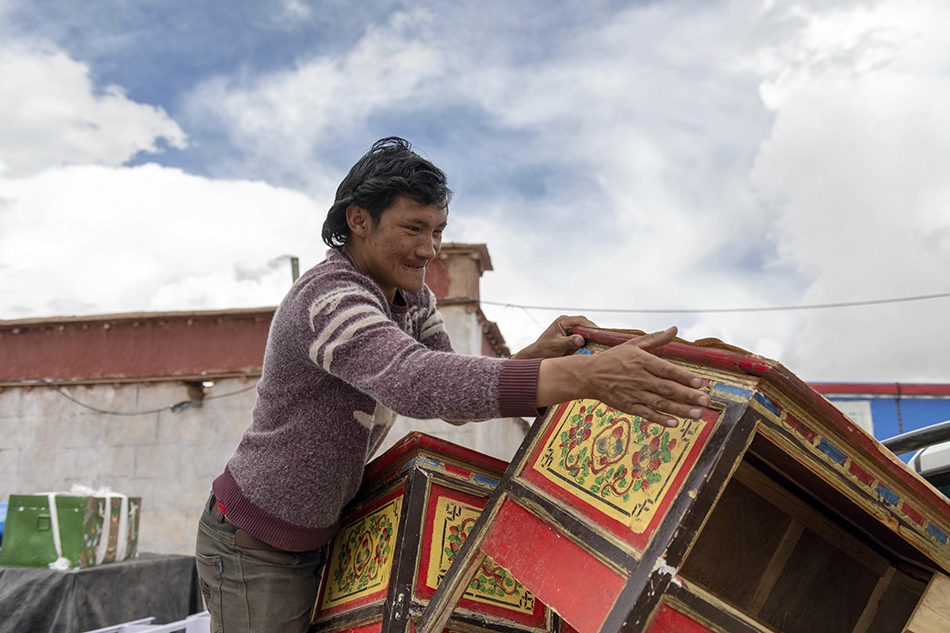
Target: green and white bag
[{"x": 82, "y": 528}]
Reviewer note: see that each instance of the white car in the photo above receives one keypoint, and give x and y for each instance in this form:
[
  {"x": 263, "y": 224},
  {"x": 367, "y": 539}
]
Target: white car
[{"x": 933, "y": 464}]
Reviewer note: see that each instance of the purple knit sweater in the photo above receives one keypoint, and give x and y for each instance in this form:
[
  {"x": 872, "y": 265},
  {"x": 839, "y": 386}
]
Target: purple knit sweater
[{"x": 340, "y": 360}]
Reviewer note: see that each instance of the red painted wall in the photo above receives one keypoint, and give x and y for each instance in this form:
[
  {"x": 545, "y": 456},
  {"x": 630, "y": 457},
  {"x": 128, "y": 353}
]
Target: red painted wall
[
  {"x": 437, "y": 278},
  {"x": 883, "y": 389},
  {"x": 122, "y": 347}
]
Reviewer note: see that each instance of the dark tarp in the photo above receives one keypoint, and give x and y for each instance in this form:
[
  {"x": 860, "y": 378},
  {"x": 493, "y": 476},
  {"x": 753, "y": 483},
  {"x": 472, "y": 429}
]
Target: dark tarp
[{"x": 36, "y": 600}]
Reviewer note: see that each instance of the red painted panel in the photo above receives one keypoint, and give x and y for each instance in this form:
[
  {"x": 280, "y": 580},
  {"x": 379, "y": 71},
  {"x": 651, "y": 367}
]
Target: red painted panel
[
  {"x": 536, "y": 619},
  {"x": 860, "y": 474},
  {"x": 328, "y": 569},
  {"x": 567, "y": 628},
  {"x": 416, "y": 442},
  {"x": 669, "y": 620},
  {"x": 560, "y": 573},
  {"x": 455, "y": 470},
  {"x": 912, "y": 513},
  {"x": 800, "y": 427}
]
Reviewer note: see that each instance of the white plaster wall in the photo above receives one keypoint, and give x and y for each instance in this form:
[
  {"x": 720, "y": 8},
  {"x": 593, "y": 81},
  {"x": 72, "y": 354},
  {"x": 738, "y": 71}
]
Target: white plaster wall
[
  {"x": 169, "y": 459},
  {"x": 499, "y": 438},
  {"x": 463, "y": 329}
]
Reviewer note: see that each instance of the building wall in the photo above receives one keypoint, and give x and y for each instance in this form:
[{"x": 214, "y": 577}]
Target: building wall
[
  {"x": 49, "y": 443},
  {"x": 889, "y": 409},
  {"x": 886, "y": 417}
]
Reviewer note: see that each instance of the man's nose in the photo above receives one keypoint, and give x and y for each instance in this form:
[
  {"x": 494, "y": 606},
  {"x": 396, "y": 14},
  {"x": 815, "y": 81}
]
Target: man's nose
[{"x": 428, "y": 247}]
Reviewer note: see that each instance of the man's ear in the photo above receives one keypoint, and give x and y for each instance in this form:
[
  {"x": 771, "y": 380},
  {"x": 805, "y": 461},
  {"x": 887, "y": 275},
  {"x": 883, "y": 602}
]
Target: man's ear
[{"x": 359, "y": 220}]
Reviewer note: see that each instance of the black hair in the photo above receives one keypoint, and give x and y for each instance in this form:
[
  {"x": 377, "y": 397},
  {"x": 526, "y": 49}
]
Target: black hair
[{"x": 388, "y": 170}]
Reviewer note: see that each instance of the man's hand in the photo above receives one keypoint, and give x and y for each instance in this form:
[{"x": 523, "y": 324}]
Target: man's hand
[
  {"x": 631, "y": 379},
  {"x": 557, "y": 340},
  {"x": 628, "y": 378}
]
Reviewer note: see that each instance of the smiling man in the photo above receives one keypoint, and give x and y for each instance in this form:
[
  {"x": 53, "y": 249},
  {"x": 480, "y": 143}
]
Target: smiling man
[
  {"x": 356, "y": 341},
  {"x": 394, "y": 248}
]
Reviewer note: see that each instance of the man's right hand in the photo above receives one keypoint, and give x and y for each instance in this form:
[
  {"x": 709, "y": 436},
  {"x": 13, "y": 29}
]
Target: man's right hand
[{"x": 628, "y": 378}]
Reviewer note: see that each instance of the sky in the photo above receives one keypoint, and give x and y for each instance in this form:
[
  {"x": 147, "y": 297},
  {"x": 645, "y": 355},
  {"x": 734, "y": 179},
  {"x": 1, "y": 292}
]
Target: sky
[{"x": 612, "y": 155}]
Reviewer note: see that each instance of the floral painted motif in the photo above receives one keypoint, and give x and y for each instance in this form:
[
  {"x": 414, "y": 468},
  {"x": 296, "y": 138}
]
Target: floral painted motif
[
  {"x": 361, "y": 558},
  {"x": 609, "y": 447},
  {"x": 492, "y": 579},
  {"x": 492, "y": 583},
  {"x": 456, "y": 537},
  {"x": 364, "y": 553},
  {"x": 619, "y": 460}
]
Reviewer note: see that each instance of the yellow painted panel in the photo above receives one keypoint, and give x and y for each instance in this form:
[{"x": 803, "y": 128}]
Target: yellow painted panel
[
  {"x": 493, "y": 584},
  {"x": 616, "y": 462},
  {"x": 362, "y": 556}
]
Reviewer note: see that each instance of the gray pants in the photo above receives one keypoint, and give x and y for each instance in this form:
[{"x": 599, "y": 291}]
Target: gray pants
[{"x": 251, "y": 590}]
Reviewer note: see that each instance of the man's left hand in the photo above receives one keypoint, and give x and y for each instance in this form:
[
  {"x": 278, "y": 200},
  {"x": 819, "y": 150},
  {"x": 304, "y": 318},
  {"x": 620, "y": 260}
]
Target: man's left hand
[{"x": 557, "y": 339}]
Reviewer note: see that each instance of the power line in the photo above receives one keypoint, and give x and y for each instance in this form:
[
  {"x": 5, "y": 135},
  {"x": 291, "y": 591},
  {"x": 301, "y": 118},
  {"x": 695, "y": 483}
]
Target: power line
[
  {"x": 63, "y": 393},
  {"x": 815, "y": 306},
  {"x": 172, "y": 407}
]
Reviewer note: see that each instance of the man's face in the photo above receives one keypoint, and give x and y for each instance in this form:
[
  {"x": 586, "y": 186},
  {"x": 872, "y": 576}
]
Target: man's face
[{"x": 397, "y": 249}]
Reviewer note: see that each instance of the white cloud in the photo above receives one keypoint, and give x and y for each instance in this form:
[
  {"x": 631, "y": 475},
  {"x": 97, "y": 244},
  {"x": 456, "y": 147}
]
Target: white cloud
[
  {"x": 100, "y": 239},
  {"x": 655, "y": 107},
  {"x": 848, "y": 198},
  {"x": 281, "y": 118},
  {"x": 81, "y": 234},
  {"x": 52, "y": 115},
  {"x": 858, "y": 159}
]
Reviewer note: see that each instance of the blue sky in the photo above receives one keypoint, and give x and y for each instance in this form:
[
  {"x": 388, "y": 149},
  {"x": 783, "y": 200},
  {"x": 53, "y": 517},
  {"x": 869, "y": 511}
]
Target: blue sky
[{"x": 171, "y": 155}]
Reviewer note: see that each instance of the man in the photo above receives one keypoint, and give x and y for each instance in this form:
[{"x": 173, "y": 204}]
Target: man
[{"x": 356, "y": 341}]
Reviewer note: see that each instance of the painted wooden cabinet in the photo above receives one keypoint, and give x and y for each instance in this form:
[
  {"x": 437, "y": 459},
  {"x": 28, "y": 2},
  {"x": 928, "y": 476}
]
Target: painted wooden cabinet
[
  {"x": 773, "y": 513},
  {"x": 418, "y": 502}
]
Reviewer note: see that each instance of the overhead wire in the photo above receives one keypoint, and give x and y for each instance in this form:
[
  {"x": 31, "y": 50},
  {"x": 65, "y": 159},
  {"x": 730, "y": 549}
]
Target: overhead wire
[
  {"x": 180, "y": 406},
  {"x": 814, "y": 306},
  {"x": 817, "y": 306}
]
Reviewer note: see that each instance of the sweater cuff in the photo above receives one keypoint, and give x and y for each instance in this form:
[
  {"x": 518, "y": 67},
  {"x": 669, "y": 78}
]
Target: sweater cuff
[{"x": 518, "y": 388}]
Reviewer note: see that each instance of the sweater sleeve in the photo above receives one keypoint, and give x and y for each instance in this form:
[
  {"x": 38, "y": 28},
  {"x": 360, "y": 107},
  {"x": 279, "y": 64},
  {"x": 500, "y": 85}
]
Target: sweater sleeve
[{"x": 355, "y": 340}]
